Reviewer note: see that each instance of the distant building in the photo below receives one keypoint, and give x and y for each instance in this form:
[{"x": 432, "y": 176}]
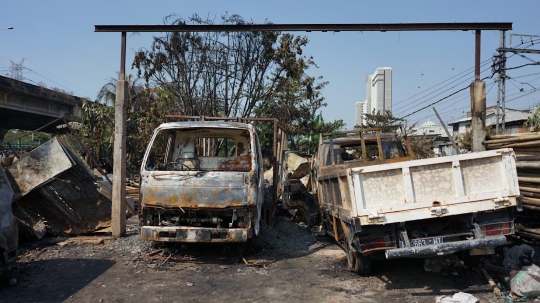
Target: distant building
[
  {"x": 441, "y": 144},
  {"x": 379, "y": 90},
  {"x": 514, "y": 120},
  {"x": 429, "y": 129},
  {"x": 360, "y": 111},
  {"x": 378, "y": 94}
]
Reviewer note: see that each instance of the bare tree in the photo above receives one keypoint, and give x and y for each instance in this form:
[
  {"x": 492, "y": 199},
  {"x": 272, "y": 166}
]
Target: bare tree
[{"x": 220, "y": 73}]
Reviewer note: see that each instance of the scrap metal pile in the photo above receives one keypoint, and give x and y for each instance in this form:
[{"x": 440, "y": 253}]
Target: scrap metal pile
[{"x": 58, "y": 194}]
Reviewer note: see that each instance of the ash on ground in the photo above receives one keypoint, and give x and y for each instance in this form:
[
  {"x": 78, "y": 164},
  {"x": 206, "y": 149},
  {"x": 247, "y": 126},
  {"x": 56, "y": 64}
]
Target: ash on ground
[{"x": 290, "y": 238}]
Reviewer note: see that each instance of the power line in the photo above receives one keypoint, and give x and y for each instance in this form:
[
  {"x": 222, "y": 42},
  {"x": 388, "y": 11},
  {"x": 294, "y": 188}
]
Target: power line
[
  {"x": 468, "y": 79},
  {"x": 436, "y": 101},
  {"x": 466, "y": 71}
]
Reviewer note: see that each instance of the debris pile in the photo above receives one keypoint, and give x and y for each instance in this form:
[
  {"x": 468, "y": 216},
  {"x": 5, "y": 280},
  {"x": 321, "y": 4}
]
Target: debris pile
[
  {"x": 513, "y": 274},
  {"x": 297, "y": 195},
  {"x": 58, "y": 190}
]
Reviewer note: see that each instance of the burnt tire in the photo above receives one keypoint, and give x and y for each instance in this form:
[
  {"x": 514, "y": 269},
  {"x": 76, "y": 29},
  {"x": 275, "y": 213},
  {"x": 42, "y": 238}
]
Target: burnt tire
[{"x": 362, "y": 264}]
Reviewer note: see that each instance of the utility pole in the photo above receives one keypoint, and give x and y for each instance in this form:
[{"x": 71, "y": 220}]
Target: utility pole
[
  {"x": 502, "y": 81},
  {"x": 478, "y": 102},
  {"x": 118, "y": 216},
  {"x": 501, "y": 63}
]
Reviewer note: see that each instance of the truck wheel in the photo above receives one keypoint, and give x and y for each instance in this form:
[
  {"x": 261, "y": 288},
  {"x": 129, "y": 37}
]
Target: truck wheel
[{"x": 362, "y": 264}]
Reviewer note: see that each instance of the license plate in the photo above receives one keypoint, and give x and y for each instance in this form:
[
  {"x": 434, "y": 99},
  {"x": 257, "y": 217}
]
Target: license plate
[{"x": 426, "y": 241}]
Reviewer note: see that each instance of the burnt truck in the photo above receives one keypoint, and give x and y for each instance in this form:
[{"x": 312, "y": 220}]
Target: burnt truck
[
  {"x": 202, "y": 180},
  {"x": 378, "y": 201}
]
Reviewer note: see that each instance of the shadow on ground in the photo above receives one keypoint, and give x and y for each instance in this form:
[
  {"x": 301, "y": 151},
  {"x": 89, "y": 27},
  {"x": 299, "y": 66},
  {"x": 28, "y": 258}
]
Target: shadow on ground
[{"x": 53, "y": 280}]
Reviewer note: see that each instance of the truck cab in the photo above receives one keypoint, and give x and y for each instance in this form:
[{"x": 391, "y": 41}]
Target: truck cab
[{"x": 202, "y": 181}]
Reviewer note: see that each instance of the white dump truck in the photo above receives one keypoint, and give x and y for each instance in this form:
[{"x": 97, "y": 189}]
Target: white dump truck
[
  {"x": 202, "y": 181},
  {"x": 377, "y": 200}
]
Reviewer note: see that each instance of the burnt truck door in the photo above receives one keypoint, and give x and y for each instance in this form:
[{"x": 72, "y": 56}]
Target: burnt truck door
[{"x": 258, "y": 179}]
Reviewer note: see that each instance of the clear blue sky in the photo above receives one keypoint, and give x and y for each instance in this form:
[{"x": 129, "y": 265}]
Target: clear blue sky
[{"x": 57, "y": 41}]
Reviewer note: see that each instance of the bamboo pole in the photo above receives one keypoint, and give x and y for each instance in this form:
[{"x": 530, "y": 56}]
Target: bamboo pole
[
  {"x": 513, "y": 140},
  {"x": 530, "y": 195},
  {"x": 530, "y": 230},
  {"x": 529, "y": 180},
  {"x": 528, "y": 164},
  {"x": 492, "y": 283},
  {"x": 531, "y": 201},
  {"x": 494, "y": 137},
  {"x": 529, "y": 189},
  {"x": 535, "y": 143},
  {"x": 531, "y": 207},
  {"x": 529, "y": 235},
  {"x": 527, "y": 158}
]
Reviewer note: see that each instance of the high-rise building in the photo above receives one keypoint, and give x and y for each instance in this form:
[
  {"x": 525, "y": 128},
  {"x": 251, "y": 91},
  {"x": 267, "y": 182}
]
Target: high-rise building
[
  {"x": 360, "y": 111},
  {"x": 378, "y": 93}
]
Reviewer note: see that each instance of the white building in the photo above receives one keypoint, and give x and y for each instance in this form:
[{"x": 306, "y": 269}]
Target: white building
[
  {"x": 378, "y": 94},
  {"x": 360, "y": 111},
  {"x": 379, "y": 90},
  {"x": 514, "y": 120}
]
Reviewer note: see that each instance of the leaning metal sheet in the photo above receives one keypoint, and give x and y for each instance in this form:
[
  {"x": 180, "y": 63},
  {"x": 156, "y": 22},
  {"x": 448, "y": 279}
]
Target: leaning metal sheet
[{"x": 40, "y": 165}]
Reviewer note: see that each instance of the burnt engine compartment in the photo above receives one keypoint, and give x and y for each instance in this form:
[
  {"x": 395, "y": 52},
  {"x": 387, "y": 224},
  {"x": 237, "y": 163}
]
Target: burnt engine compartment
[{"x": 214, "y": 218}]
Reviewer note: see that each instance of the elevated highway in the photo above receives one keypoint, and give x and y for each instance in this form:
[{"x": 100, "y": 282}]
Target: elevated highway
[{"x": 28, "y": 107}]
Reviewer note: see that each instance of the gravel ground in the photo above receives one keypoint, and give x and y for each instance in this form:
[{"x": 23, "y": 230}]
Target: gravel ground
[{"x": 294, "y": 264}]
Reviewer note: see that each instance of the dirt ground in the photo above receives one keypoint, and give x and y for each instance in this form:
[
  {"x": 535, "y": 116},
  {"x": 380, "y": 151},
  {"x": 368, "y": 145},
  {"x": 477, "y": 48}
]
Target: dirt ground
[{"x": 295, "y": 264}]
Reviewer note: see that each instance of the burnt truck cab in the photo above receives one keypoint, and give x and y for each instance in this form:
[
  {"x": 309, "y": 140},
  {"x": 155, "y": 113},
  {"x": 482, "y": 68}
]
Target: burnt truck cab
[{"x": 201, "y": 181}]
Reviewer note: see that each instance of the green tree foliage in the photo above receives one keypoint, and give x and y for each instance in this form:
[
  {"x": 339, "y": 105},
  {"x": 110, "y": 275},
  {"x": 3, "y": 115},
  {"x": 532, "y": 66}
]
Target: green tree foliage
[
  {"x": 379, "y": 120},
  {"x": 97, "y": 122},
  {"x": 308, "y": 142},
  {"x": 533, "y": 121},
  {"x": 145, "y": 111}
]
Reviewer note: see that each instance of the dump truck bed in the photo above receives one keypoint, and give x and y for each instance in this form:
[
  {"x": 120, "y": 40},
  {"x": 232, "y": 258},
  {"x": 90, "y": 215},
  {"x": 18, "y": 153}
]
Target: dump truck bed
[{"x": 422, "y": 189}]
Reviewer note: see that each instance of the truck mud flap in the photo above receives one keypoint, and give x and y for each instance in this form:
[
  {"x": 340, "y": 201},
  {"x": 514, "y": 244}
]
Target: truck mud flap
[
  {"x": 194, "y": 234},
  {"x": 435, "y": 249}
]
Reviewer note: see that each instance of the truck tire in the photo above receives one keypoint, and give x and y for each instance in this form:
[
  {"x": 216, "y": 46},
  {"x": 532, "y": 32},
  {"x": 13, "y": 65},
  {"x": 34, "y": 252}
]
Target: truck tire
[{"x": 362, "y": 264}]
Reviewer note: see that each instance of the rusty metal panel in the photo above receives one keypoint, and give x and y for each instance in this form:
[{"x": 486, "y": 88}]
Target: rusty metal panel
[
  {"x": 40, "y": 166},
  {"x": 187, "y": 234},
  {"x": 195, "y": 190},
  {"x": 68, "y": 204}
]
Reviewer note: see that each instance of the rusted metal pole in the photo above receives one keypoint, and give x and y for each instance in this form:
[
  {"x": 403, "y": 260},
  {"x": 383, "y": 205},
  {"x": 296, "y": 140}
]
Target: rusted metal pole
[
  {"x": 123, "y": 57},
  {"x": 478, "y": 102},
  {"x": 477, "y": 43}
]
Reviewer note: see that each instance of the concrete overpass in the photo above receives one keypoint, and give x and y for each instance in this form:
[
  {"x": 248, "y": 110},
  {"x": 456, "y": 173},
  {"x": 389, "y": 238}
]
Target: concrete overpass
[{"x": 29, "y": 107}]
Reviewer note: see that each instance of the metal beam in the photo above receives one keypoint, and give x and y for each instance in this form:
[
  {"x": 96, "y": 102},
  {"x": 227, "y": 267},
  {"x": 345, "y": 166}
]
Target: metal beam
[
  {"x": 519, "y": 50},
  {"x": 377, "y": 27}
]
